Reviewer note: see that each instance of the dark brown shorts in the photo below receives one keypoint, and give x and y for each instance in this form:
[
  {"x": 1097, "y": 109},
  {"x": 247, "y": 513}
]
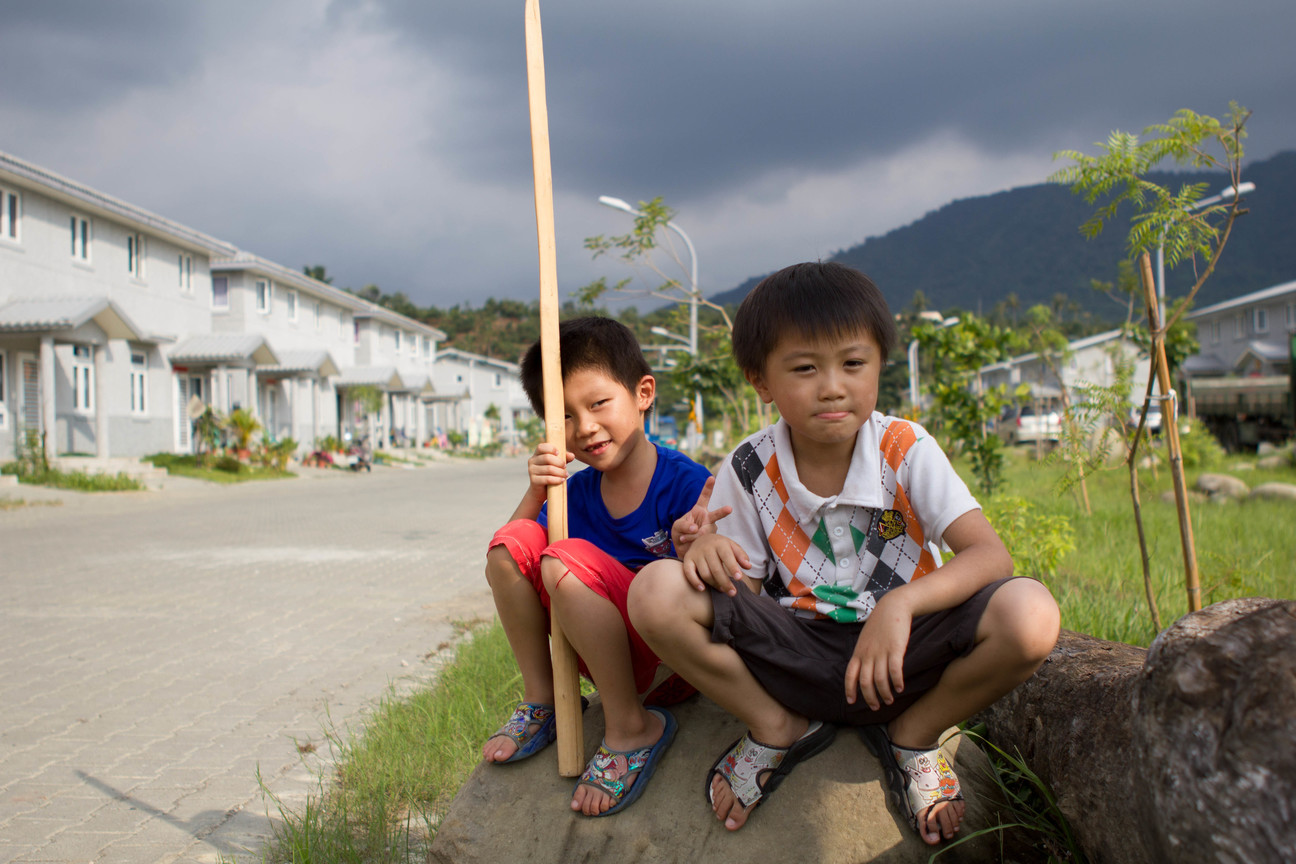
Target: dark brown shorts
[{"x": 802, "y": 662}]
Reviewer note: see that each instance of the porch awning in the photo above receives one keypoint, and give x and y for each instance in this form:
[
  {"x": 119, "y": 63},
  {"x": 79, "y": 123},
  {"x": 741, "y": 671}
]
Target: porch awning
[
  {"x": 382, "y": 377},
  {"x": 314, "y": 362},
  {"x": 419, "y": 385},
  {"x": 1265, "y": 352},
  {"x": 1205, "y": 364},
  {"x": 54, "y": 314},
  {"x": 244, "y": 349}
]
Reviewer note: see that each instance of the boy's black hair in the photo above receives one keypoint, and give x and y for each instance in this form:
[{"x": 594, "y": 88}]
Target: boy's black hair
[
  {"x": 588, "y": 343},
  {"x": 817, "y": 300}
]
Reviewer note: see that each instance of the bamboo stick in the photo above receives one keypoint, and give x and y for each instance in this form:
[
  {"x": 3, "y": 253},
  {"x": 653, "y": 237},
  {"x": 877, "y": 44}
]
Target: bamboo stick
[
  {"x": 1170, "y": 424},
  {"x": 566, "y": 683}
]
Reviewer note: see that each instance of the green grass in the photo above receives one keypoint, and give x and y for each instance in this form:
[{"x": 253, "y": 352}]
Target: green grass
[
  {"x": 223, "y": 469},
  {"x": 1244, "y": 548},
  {"x": 77, "y": 480},
  {"x": 394, "y": 780}
]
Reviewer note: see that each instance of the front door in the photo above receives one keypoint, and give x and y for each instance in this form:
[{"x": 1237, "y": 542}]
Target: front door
[{"x": 29, "y": 395}]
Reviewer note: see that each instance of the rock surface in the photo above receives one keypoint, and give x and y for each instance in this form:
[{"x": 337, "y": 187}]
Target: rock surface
[
  {"x": 1275, "y": 490},
  {"x": 1221, "y": 486},
  {"x": 831, "y": 810},
  {"x": 1183, "y": 753}
]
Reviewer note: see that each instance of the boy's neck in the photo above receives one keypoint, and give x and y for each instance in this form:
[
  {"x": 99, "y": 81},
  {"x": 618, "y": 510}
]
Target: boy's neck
[
  {"x": 822, "y": 468},
  {"x": 625, "y": 486}
]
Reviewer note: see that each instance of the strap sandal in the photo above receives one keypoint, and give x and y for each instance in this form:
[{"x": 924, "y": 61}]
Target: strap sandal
[
  {"x": 532, "y": 727},
  {"x": 917, "y": 780},
  {"x": 609, "y": 769},
  {"x": 754, "y": 770}
]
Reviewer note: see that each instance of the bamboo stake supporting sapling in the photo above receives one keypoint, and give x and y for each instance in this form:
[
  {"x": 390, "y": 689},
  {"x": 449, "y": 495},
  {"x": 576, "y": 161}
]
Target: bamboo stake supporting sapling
[
  {"x": 566, "y": 682},
  {"x": 1170, "y": 425}
]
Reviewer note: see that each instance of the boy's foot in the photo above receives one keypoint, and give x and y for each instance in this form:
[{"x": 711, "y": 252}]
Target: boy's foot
[
  {"x": 613, "y": 779},
  {"x": 749, "y": 770},
  {"x": 921, "y": 785},
  {"x": 532, "y": 728}
]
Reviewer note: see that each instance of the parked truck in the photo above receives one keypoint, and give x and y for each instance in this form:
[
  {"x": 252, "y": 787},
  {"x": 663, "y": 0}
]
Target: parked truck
[{"x": 1242, "y": 412}]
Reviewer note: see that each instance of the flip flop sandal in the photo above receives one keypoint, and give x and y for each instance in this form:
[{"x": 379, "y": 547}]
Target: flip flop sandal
[
  {"x": 609, "y": 769},
  {"x": 747, "y": 759},
  {"x": 519, "y": 727},
  {"x": 917, "y": 780}
]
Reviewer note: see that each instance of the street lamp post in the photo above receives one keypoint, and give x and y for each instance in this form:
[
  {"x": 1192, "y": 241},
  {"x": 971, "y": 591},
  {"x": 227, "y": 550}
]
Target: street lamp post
[
  {"x": 692, "y": 342},
  {"x": 913, "y": 364}
]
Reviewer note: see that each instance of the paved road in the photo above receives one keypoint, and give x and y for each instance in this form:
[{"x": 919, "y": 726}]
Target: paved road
[{"x": 157, "y": 648}]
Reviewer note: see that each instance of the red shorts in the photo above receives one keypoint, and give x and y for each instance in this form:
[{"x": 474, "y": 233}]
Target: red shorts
[{"x": 528, "y": 542}]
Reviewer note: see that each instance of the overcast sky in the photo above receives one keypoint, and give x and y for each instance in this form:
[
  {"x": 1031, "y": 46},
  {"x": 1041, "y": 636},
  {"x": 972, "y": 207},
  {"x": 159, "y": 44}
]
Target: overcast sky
[{"x": 389, "y": 139}]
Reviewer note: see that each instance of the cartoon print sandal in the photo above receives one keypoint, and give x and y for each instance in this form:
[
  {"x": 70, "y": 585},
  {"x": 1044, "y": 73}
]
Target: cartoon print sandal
[
  {"x": 609, "y": 769},
  {"x": 754, "y": 770},
  {"x": 917, "y": 780},
  {"x": 533, "y": 727}
]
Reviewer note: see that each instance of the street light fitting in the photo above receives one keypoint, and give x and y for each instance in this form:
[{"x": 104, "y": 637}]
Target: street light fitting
[
  {"x": 617, "y": 204},
  {"x": 662, "y": 331}
]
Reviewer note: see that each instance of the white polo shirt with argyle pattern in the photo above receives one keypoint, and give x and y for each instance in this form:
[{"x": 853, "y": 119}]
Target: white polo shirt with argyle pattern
[{"x": 834, "y": 557}]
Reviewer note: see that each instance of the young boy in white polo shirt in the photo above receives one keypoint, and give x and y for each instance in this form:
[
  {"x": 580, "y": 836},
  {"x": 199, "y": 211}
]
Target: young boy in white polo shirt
[{"x": 822, "y": 599}]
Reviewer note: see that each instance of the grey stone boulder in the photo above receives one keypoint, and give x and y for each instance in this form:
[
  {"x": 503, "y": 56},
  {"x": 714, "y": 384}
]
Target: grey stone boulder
[
  {"x": 1285, "y": 491},
  {"x": 1221, "y": 486},
  {"x": 831, "y": 810}
]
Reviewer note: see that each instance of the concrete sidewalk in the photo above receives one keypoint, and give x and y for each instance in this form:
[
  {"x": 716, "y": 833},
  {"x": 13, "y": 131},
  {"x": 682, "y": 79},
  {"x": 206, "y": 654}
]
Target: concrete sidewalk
[{"x": 157, "y": 649}]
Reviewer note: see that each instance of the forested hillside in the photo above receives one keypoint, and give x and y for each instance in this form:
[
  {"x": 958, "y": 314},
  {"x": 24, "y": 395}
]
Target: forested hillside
[{"x": 972, "y": 253}]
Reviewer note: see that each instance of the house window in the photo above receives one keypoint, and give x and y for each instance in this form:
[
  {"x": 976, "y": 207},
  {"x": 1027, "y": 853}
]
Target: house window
[
  {"x": 499, "y": 380},
  {"x": 220, "y": 292},
  {"x": 319, "y": 315},
  {"x": 10, "y": 215},
  {"x": 397, "y": 333},
  {"x": 263, "y": 296},
  {"x": 413, "y": 343},
  {"x": 1261, "y": 320},
  {"x": 1215, "y": 330},
  {"x": 136, "y": 254},
  {"x": 1239, "y": 326},
  {"x": 427, "y": 348},
  {"x": 80, "y": 230},
  {"x": 82, "y": 378},
  {"x": 342, "y": 324},
  {"x": 355, "y": 328},
  {"x": 138, "y": 382},
  {"x": 185, "y": 264},
  {"x": 291, "y": 297}
]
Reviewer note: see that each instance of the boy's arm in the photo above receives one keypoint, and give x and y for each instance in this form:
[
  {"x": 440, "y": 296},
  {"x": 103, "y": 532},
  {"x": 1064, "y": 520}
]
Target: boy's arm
[
  {"x": 876, "y": 669},
  {"x": 545, "y": 468}
]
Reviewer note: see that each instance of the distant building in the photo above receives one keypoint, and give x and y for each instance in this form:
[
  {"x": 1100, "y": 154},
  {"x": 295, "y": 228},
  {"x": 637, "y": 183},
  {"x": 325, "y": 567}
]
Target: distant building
[
  {"x": 1247, "y": 335},
  {"x": 117, "y": 324},
  {"x": 468, "y": 385},
  {"x": 1091, "y": 360}
]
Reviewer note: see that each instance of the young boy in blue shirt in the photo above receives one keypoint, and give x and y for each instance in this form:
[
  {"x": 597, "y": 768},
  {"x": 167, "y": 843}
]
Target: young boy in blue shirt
[
  {"x": 620, "y": 512},
  {"x": 822, "y": 599}
]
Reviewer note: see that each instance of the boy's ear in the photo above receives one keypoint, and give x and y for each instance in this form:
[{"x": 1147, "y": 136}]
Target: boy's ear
[
  {"x": 758, "y": 383},
  {"x": 646, "y": 392}
]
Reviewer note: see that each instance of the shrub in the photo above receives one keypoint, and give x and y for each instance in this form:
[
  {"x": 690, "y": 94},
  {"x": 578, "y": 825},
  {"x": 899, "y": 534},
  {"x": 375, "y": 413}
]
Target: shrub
[
  {"x": 1199, "y": 448},
  {"x": 1037, "y": 542},
  {"x": 229, "y": 464}
]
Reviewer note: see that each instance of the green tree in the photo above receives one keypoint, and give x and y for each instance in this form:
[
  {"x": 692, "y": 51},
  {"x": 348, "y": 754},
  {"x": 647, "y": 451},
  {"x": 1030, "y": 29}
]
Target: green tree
[
  {"x": 318, "y": 273},
  {"x": 961, "y": 407}
]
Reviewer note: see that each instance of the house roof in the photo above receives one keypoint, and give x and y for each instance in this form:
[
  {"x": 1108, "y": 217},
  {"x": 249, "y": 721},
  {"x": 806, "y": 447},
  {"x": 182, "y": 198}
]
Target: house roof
[
  {"x": 48, "y": 314},
  {"x": 94, "y": 201},
  {"x": 1265, "y": 352},
  {"x": 241, "y": 348},
  {"x": 1260, "y": 296},
  {"x": 316, "y": 361},
  {"x": 382, "y": 377},
  {"x": 1205, "y": 364},
  {"x": 1077, "y": 345},
  {"x": 470, "y": 358},
  {"x": 418, "y": 383}
]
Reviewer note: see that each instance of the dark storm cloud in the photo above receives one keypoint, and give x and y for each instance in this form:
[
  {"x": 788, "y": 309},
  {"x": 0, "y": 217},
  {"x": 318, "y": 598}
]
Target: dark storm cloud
[{"x": 688, "y": 98}]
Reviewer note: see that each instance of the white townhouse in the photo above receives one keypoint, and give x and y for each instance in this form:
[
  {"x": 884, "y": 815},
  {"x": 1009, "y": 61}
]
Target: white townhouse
[
  {"x": 397, "y": 355},
  {"x": 94, "y": 293},
  {"x": 1091, "y": 360},
  {"x": 469, "y": 384},
  {"x": 1246, "y": 336}
]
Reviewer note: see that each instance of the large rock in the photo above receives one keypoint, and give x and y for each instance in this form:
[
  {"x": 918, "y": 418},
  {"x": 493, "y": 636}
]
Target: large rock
[
  {"x": 831, "y": 810},
  {"x": 1184, "y": 753},
  {"x": 1221, "y": 486},
  {"x": 1285, "y": 491}
]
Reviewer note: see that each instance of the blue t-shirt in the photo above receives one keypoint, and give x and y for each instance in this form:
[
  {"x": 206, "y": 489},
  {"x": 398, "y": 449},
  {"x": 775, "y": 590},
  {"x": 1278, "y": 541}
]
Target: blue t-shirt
[{"x": 645, "y": 534}]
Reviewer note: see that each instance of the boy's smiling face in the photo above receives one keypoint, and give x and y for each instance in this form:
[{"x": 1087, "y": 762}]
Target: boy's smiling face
[
  {"x": 824, "y": 389},
  {"x": 604, "y": 419}
]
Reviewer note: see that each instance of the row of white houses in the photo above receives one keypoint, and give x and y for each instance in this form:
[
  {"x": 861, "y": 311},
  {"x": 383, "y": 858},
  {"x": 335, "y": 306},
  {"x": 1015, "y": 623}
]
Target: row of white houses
[{"x": 116, "y": 324}]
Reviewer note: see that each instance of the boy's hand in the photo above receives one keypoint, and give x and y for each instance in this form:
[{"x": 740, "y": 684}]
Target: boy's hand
[
  {"x": 697, "y": 521},
  {"x": 716, "y": 561},
  {"x": 877, "y": 666},
  {"x": 546, "y": 468}
]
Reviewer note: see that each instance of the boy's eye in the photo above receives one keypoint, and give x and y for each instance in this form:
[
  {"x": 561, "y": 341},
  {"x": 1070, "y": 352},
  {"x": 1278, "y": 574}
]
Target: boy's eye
[{"x": 854, "y": 364}]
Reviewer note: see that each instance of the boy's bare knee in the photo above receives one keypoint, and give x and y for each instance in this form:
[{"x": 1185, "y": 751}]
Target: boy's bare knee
[
  {"x": 652, "y": 601},
  {"x": 1031, "y": 620},
  {"x": 552, "y": 571},
  {"x": 499, "y": 562}
]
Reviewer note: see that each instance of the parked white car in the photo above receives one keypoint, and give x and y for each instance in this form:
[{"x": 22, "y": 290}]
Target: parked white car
[
  {"x": 1020, "y": 424},
  {"x": 1153, "y": 417}
]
